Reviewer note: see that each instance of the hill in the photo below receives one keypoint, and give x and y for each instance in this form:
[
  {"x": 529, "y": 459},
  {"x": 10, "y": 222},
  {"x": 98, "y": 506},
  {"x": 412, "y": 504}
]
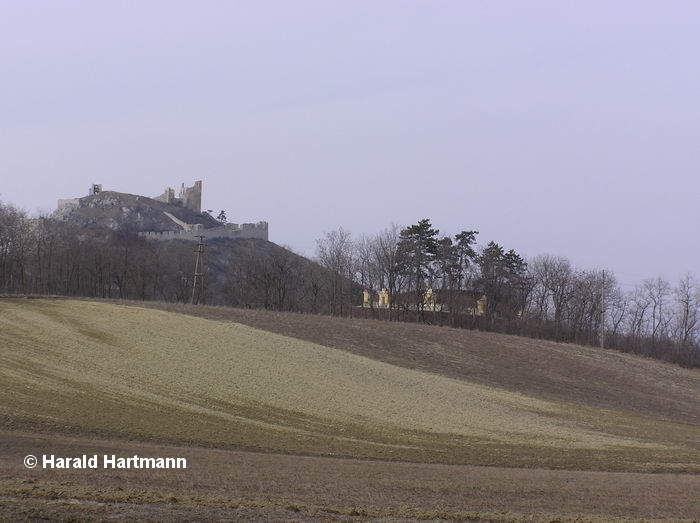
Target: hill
[
  {"x": 307, "y": 385},
  {"x": 588, "y": 376},
  {"x": 251, "y": 272},
  {"x": 121, "y": 211},
  {"x": 238, "y": 386}
]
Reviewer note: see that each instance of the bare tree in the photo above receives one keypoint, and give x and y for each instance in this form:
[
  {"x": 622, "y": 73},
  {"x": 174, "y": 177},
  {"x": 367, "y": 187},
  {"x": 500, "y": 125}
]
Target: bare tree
[
  {"x": 687, "y": 301},
  {"x": 617, "y": 312},
  {"x": 368, "y": 272},
  {"x": 335, "y": 253},
  {"x": 657, "y": 291},
  {"x": 638, "y": 308},
  {"x": 555, "y": 276},
  {"x": 386, "y": 255}
]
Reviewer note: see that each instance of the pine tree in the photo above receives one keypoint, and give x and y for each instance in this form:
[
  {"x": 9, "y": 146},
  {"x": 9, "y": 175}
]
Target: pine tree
[{"x": 418, "y": 246}]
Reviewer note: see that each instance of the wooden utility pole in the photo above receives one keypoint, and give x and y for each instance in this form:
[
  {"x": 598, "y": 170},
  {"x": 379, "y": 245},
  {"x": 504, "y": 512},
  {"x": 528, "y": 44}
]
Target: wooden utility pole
[{"x": 197, "y": 264}]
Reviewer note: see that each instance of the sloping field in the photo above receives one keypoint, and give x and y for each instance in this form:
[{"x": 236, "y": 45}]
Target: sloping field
[
  {"x": 104, "y": 369},
  {"x": 588, "y": 376}
]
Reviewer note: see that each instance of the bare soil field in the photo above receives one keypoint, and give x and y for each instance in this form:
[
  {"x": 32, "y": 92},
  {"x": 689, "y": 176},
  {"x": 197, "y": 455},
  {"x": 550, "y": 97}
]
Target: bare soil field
[
  {"x": 223, "y": 484},
  {"x": 345, "y": 418}
]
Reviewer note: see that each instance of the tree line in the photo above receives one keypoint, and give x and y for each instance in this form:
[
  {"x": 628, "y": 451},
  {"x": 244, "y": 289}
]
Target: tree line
[
  {"x": 49, "y": 257},
  {"x": 46, "y": 256},
  {"x": 544, "y": 297}
]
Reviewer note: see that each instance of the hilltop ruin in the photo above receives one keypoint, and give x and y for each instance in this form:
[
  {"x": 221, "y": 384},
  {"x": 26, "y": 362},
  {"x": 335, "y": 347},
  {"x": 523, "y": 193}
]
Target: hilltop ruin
[
  {"x": 190, "y": 197},
  {"x": 164, "y": 217}
]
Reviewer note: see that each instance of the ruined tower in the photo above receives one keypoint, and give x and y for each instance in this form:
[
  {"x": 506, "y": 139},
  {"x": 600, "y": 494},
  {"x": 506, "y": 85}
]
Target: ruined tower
[{"x": 191, "y": 197}]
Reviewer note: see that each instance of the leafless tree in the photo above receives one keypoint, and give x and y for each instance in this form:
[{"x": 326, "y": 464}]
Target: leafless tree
[
  {"x": 638, "y": 309},
  {"x": 386, "y": 256},
  {"x": 335, "y": 253},
  {"x": 687, "y": 302},
  {"x": 657, "y": 291},
  {"x": 618, "y": 306}
]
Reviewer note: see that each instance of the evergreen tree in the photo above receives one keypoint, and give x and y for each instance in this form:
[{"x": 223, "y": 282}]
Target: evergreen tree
[
  {"x": 418, "y": 246},
  {"x": 503, "y": 279},
  {"x": 466, "y": 254},
  {"x": 447, "y": 263}
]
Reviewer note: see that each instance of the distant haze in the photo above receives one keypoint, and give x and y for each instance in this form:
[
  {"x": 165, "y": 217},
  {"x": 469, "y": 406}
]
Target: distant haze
[{"x": 548, "y": 126}]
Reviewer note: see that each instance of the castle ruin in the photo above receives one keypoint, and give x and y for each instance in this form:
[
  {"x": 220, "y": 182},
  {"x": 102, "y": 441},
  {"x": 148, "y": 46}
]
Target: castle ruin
[
  {"x": 73, "y": 203},
  {"x": 189, "y": 197}
]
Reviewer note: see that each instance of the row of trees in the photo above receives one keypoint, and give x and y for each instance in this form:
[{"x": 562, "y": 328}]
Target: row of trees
[
  {"x": 45, "y": 256},
  {"x": 588, "y": 306},
  {"x": 50, "y": 257},
  {"x": 544, "y": 297},
  {"x": 407, "y": 262}
]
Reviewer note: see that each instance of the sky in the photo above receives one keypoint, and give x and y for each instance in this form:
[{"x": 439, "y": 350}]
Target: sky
[{"x": 569, "y": 128}]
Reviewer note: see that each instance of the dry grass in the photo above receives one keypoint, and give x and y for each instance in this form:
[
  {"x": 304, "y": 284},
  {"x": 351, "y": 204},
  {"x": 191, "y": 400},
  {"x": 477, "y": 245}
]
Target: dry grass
[
  {"x": 602, "y": 379},
  {"x": 97, "y": 368}
]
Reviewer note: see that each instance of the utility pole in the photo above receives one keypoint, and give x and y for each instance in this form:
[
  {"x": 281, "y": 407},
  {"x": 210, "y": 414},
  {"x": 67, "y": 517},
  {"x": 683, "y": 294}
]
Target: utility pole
[
  {"x": 197, "y": 263},
  {"x": 602, "y": 309}
]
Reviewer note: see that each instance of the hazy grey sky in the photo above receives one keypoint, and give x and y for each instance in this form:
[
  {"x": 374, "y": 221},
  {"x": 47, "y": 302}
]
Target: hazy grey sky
[{"x": 564, "y": 127}]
